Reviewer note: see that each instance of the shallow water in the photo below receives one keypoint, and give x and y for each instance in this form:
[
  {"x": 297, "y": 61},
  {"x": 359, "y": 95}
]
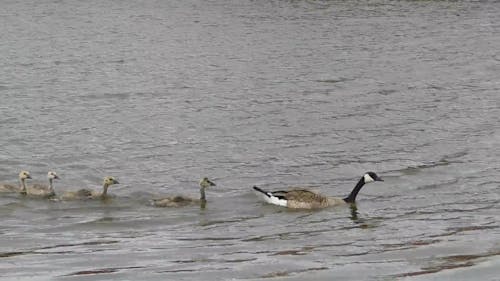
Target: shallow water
[{"x": 268, "y": 93}]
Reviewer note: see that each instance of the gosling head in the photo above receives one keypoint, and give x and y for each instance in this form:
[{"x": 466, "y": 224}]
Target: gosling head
[
  {"x": 371, "y": 177},
  {"x": 24, "y": 175},
  {"x": 205, "y": 182},
  {"x": 110, "y": 181},
  {"x": 52, "y": 176}
]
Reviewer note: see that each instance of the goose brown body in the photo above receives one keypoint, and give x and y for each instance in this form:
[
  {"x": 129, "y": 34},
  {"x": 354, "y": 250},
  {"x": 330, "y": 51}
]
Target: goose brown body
[{"x": 306, "y": 199}]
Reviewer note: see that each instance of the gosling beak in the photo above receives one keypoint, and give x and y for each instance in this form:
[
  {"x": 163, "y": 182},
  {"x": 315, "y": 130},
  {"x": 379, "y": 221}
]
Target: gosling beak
[
  {"x": 211, "y": 183},
  {"x": 56, "y": 177},
  {"x": 28, "y": 177},
  {"x": 115, "y": 182}
]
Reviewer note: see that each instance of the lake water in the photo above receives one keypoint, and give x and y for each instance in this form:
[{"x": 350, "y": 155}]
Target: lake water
[{"x": 269, "y": 93}]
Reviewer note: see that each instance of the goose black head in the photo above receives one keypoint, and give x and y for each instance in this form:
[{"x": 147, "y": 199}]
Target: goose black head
[{"x": 371, "y": 177}]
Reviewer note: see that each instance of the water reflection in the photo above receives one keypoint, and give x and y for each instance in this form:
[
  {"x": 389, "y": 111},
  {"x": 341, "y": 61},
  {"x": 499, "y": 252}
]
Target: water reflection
[{"x": 354, "y": 212}]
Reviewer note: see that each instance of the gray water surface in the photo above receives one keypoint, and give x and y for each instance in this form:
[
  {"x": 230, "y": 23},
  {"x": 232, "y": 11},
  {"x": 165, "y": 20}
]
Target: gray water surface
[{"x": 269, "y": 93}]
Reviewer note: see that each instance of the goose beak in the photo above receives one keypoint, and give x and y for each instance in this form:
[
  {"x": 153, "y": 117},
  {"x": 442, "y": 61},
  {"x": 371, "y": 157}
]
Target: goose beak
[{"x": 379, "y": 179}]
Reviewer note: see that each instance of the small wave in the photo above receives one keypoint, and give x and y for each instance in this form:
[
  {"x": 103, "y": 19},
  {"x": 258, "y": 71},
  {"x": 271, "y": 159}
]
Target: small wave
[
  {"x": 444, "y": 161},
  {"x": 101, "y": 270},
  {"x": 192, "y": 270},
  {"x": 456, "y": 230},
  {"x": 408, "y": 245},
  {"x": 450, "y": 262},
  {"x": 333, "y": 80},
  {"x": 214, "y": 260},
  {"x": 288, "y": 273},
  {"x": 297, "y": 252},
  {"x": 39, "y": 251},
  {"x": 226, "y": 221},
  {"x": 208, "y": 239},
  {"x": 12, "y": 254},
  {"x": 437, "y": 185}
]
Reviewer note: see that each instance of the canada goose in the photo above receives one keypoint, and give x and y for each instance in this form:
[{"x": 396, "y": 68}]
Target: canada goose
[
  {"x": 23, "y": 175},
  {"x": 42, "y": 190},
  {"x": 179, "y": 201},
  {"x": 305, "y": 199},
  {"x": 90, "y": 194}
]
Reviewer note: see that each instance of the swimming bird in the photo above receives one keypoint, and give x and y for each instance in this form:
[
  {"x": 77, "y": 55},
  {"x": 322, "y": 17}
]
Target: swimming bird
[
  {"x": 23, "y": 176},
  {"x": 91, "y": 194},
  {"x": 306, "y": 199},
  {"x": 42, "y": 190},
  {"x": 180, "y": 201}
]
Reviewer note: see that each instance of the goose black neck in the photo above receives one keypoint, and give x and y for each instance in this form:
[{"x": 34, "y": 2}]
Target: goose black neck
[{"x": 352, "y": 197}]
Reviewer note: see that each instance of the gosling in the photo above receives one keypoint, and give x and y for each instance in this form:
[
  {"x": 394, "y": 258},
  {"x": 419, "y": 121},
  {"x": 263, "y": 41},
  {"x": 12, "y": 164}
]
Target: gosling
[
  {"x": 23, "y": 176},
  {"x": 181, "y": 201},
  {"x": 42, "y": 190},
  {"x": 91, "y": 194}
]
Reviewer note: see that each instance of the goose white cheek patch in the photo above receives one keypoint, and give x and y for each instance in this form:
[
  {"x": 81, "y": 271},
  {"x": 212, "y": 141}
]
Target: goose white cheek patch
[{"x": 368, "y": 178}]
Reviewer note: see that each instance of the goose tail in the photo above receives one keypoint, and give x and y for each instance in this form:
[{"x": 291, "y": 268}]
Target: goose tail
[
  {"x": 270, "y": 198},
  {"x": 260, "y": 190}
]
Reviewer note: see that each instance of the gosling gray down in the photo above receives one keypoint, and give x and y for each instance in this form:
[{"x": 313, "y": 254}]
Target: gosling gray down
[
  {"x": 91, "y": 194},
  {"x": 180, "y": 201},
  {"x": 306, "y": 199},
  {"x": 42, "y": 190},
  {"x": 23, "y": 176}
]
